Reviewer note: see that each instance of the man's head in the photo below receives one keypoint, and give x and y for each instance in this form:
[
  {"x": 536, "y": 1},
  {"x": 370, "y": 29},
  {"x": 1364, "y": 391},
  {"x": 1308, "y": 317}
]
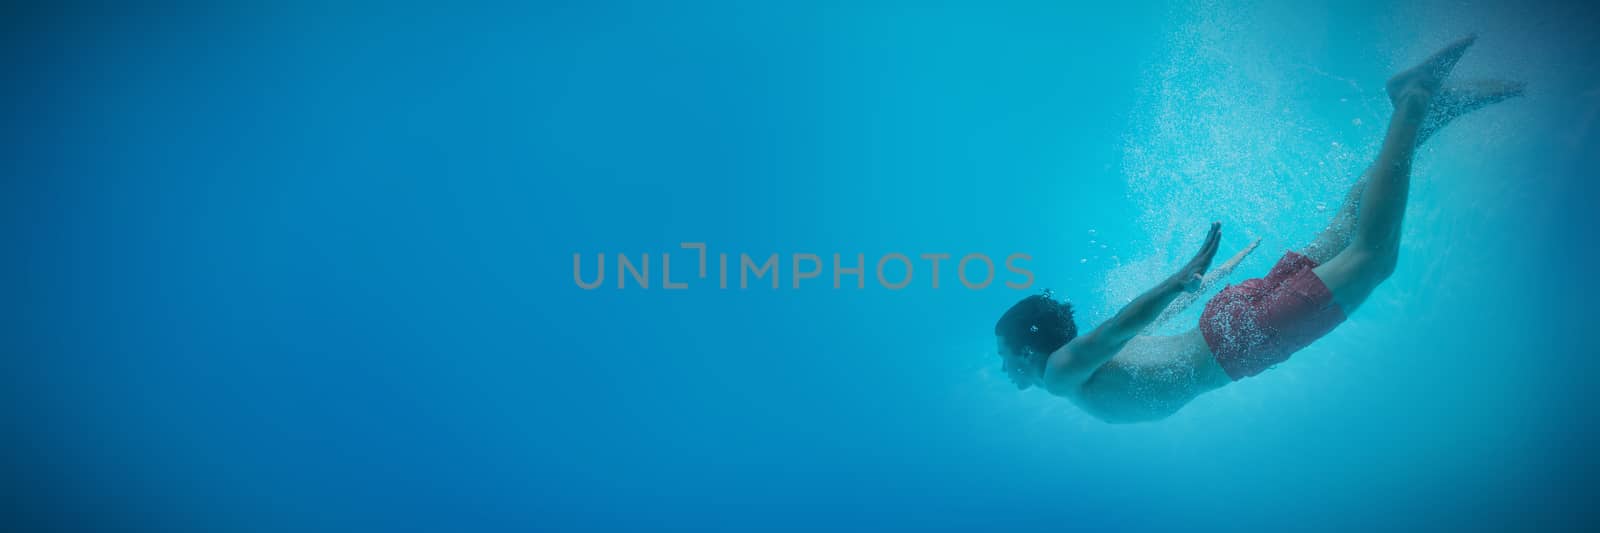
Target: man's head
[{"x": 1029, "y": 332}]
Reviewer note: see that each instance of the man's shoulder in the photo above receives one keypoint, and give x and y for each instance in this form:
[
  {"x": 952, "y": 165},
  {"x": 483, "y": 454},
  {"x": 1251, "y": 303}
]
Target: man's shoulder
[{"x": 1067, "y": 369}]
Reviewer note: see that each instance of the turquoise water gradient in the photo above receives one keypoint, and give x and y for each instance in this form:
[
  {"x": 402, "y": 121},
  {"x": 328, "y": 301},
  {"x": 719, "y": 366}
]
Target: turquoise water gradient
[{"x": 297, "y": 268}]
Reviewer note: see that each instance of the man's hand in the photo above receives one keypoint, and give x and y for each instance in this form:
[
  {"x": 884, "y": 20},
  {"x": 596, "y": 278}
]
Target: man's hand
[
  {"x": 1190, "y": 276},
  {"x": 1087, "y": 352}
]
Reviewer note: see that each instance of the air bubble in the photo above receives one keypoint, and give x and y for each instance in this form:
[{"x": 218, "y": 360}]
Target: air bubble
[{"x": 1033, "y": 329}]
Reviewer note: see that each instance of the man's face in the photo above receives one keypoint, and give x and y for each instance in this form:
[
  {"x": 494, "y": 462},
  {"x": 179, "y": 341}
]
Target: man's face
[{"x": 1016, "y": 367}]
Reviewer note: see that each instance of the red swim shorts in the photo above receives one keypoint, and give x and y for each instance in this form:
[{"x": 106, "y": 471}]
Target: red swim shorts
[{"x": 1260, "y": 322}]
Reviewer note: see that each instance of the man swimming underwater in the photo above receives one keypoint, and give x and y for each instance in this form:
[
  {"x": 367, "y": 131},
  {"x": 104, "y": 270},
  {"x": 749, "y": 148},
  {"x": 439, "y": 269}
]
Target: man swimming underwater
[{"x": 1119, "y": 376}]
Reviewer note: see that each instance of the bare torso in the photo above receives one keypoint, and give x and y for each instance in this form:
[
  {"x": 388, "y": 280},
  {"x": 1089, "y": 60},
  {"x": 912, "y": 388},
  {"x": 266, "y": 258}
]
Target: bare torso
[{"x": 1150, "y": 378}]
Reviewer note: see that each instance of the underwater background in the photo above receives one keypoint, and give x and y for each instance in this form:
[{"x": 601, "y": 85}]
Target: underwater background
[{"x": 281, "y": 267}]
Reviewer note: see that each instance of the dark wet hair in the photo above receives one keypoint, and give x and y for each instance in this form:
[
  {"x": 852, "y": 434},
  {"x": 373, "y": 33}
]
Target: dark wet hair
[{"x": 1035, "y": 327}]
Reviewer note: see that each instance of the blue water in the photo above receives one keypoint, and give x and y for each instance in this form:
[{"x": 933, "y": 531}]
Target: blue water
[{"x": 297, "y": 268}]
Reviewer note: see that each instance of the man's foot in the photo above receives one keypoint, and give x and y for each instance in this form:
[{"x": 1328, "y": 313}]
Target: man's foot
[
  {"x": 1460, "y": 98},
  {"x": 1426, "y": 78}
]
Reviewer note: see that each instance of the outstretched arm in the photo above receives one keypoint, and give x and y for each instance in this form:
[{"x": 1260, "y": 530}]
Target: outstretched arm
[
  {"x": 1087, "y": 352},
  {"x": 1183, "y": 301}
]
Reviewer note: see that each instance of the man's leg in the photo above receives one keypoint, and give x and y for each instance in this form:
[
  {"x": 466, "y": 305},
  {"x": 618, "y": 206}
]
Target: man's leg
[
  {"x": 1451, "y": 102},
  {"x": 1374, "y": 248},
  {"x": 1336, "y": 236}
]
